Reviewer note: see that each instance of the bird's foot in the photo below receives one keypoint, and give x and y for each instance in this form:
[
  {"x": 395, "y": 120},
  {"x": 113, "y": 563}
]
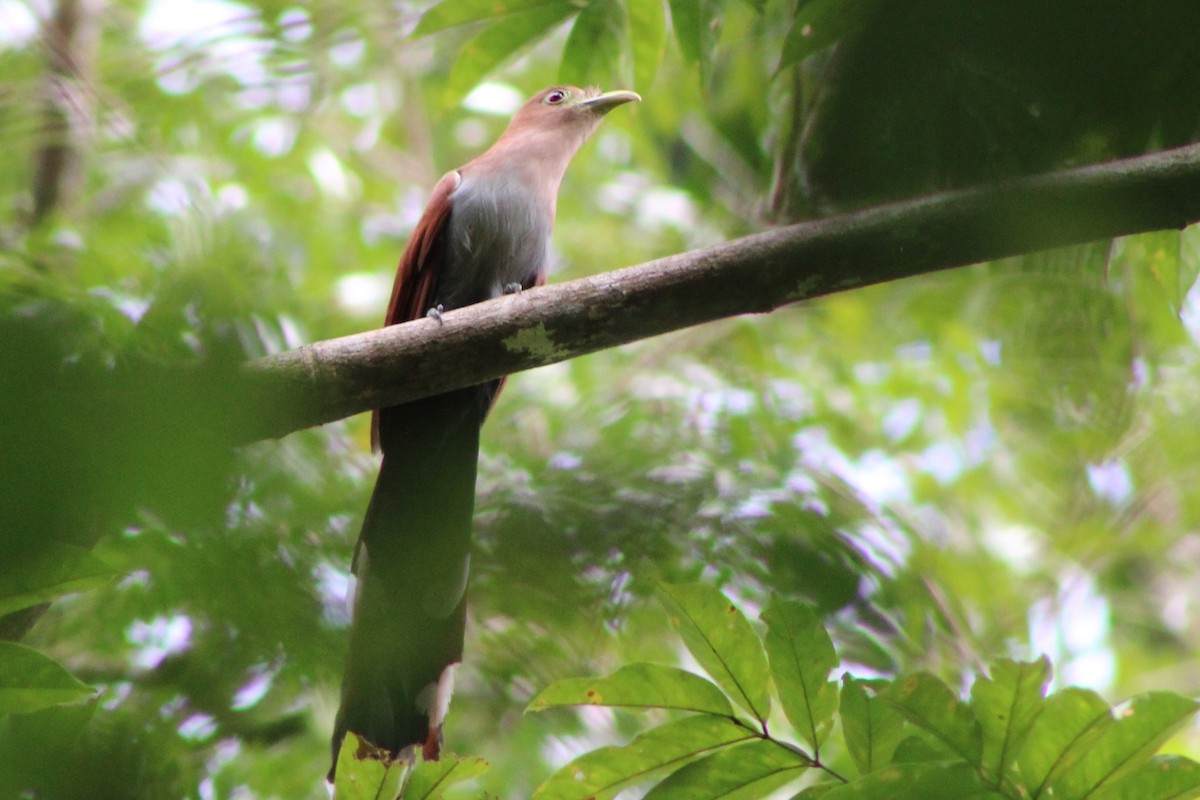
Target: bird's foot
[
  {"x": 513, "y": 288},
  {"x": 436, "y": 313}
]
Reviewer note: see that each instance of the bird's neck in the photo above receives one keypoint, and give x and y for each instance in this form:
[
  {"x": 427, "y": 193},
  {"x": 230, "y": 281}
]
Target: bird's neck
[{"x": 537, "y": 159}]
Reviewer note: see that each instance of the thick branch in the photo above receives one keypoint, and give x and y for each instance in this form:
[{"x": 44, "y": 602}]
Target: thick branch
[{"x": 333, "y": 379}]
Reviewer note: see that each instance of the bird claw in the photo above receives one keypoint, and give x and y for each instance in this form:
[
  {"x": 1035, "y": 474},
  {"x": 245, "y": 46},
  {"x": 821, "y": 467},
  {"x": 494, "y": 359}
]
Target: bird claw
[
  {"x": 513, "y": 288},
  {"x": 436, "y": 313}
]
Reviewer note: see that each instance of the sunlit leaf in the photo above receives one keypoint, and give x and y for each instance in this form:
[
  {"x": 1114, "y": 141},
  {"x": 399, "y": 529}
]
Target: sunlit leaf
[
  {"x": 815, "y": 791},
  {"x": 1007, "y": 703},
  {"x": 363, "y": 775},
  {"x": 595, "y": 43},
  {"x": 1071, "y": 722},
  {"x": 502, "y": 41},
  {"x": 696, "y": 23},
  {"x": 647, "y": 39},
  {"x": 1142, "y": 726},
  {"x": 1162, "y": 778},
  {"x": 722, "y": 641},
  {"x": 429, "y": 779},
  {"x": 687, "y": 20},
  {"x": 30, "y": 681},
  {"x": 604, "y": 772},
  {"x": 638, "y": 686},
  {"x": 872, "y": 727},
  {"x": 54, "y": 570},
  {"x": 450, "y": 13},
  {"x": 745, "y": 772},
  {"x": 1163, "y": 257},
  {"x": 801, "y": 656},
  {"x": 928, "y": 703}
]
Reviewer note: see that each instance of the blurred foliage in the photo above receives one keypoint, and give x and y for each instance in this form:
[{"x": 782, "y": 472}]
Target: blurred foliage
[{"x": 996, "y": 461}]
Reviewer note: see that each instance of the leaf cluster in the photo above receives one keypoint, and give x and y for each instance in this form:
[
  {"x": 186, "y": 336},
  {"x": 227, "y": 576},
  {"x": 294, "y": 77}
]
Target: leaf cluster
[{"x": 862, "y": 738}]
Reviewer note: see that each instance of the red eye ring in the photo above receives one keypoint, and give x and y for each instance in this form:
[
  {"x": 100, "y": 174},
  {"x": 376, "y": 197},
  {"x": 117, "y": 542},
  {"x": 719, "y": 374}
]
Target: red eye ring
[{"x": 556, "y": 97}]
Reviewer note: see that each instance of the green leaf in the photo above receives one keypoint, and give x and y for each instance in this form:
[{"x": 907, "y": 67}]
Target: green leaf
[
  {"x": 594, "y": 45},
  {"x": 1070, "y": 723},
  {"x": 956, "y": 781},
  {"x": 722, "y": 641},
  {"x": 638, "y": 686},
  {"x": 429, "y": 779},
  {"x": 30, "y": 681},
  {"x": 695, "y": 23},
  {"x": 1142, "y": 725},
  {"x": 686, "y": 19},
  {"x": 501, "y": 42},
  {"x": 801, "y": 656},
  {"x": 917, "y": 748},
  {"x": 745, "y": 772},
  {"x": 928, "y": 703},
  {"x": 815, "y": 791},
  {"x": 1163, "y": 257},
  {"x": 871, "y": 726},
  {"x": 1006, "y": 704},
  {"x": 1162, "y": 778},
  {"x": 647, "y": 39},
  {"x": 604, "y": 772},
  {"x": 362, "y": 775},
  {"x": 452, "y": 13},
  {"x": 821, "y": 23},
  {"x": 53, "y": 571}
]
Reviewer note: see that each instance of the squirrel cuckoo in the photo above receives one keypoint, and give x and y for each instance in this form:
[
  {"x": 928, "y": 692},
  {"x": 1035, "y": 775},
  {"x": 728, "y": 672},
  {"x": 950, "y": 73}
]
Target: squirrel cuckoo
[{"x": 485, "y": 232}]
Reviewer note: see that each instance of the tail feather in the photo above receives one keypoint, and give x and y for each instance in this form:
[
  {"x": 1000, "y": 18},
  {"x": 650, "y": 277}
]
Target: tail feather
[{"x": 412, "y": 564}]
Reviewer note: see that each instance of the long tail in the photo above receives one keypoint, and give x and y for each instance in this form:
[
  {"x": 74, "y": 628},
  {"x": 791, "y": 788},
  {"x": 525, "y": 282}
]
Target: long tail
[{"x": 412, "y": 564}]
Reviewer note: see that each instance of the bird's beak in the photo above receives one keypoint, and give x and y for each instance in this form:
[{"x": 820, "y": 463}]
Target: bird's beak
[{"x": 603, "y": 103}]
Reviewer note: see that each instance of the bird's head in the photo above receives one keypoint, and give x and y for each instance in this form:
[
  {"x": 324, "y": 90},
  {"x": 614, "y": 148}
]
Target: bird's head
[{"x": 566, "y": 111}]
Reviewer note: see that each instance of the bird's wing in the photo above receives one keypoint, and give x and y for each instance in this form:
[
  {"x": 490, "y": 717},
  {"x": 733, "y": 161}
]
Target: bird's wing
[
  {"x": 417, "y": 274},
  {"x": 412, "y": 293}
]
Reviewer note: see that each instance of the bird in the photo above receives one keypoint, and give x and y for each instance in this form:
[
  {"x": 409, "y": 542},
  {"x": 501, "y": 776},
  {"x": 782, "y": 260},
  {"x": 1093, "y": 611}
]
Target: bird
[{"x": 485, "y": 232}]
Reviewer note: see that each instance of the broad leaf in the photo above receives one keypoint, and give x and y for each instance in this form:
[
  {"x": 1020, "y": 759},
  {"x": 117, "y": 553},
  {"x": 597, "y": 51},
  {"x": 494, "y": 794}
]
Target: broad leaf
[
  {"x": 1142, "y": 725},
  {"x": 595, "y": 43},
  {"x": 362, "y": 776},
  {"x": 721, "y": 639},
  {"x": 1006, "y": 704},
  {"x": 928, "y": 703},
  {"x": 871, "y": 726},
  {"x": 1162, "y": 778},
  {"x": 815, "y": 791},
  {"x": 451, "y": 13},
  {"x": 801, "y": 656},
  {"x": 746, "y": 772},
  {"x": 638, "y": 686},
  {"x": 696, "y": 23},
  {"x": 1162, "y": 253},
  {"x": 502, "y": 41},
  {"x": 917, "y": 782},
  {"x": 648, "y": 35},
  {"x": 919, "y": 748},
  {"x": 429, "y": 779},
  {"x": 30, "y": 681},
  {"x": 56, "y": 570},
  {"x": 1070, "y": 723},
  {"x": 604, "y": 772}
]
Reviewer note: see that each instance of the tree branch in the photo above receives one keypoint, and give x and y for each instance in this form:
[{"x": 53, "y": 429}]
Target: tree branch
[
  {"x": 333, "y": 379},
  {"x": 70, "y": 36}
]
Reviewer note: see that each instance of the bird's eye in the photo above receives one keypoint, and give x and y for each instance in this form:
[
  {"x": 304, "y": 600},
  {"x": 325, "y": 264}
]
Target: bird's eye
[{"x": 556, "y": 97}]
